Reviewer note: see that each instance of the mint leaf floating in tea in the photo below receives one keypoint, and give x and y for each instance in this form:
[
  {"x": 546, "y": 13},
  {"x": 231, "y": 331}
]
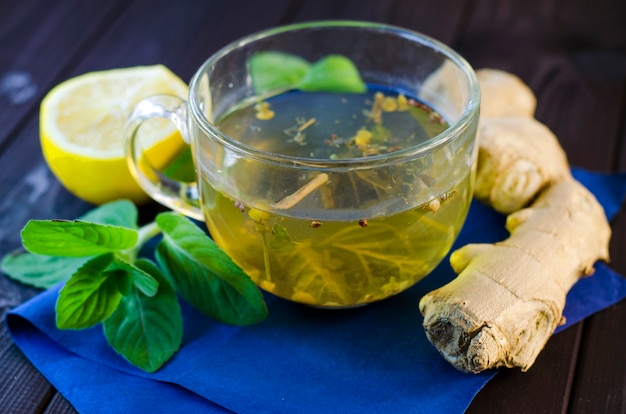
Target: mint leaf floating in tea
[
  {"x": 158, "y": 335},
  {"x": 281, "y": 239},
  {"x": 276, "y": 70},
  {"x": 334, "y": 73},
  {"x": 107, "y": 283},
  {"x": 204, "y": 275}
]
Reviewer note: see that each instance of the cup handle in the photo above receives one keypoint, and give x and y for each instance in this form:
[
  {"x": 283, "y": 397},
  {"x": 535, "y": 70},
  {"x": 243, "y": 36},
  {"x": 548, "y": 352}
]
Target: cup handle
[{"x": 177, "y": 195}]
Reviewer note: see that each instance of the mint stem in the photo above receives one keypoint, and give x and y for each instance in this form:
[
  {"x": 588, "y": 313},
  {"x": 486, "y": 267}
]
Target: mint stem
[
  {"x": 144, "y": 234},
  {"x": 147, "y": 232}
]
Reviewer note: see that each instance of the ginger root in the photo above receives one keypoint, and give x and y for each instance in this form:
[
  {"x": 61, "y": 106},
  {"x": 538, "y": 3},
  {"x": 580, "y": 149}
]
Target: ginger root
[
  {"x": 504, "y": 94},
  {"x": 517, "y": 157},
  {"x": 508, "y": 298}
]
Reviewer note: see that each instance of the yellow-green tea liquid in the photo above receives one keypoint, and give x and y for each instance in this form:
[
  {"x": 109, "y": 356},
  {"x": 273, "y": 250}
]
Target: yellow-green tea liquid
[
  {"x": 337, "y": 263},
  {"x": 330, "y": 260}
]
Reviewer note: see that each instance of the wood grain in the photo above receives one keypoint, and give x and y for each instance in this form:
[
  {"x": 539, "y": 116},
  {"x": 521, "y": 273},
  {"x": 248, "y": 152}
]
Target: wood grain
[
  {"x": 571, "y": 53},
  {"x": 22, "y": 388},
  {"x": 32, "y": 34}
]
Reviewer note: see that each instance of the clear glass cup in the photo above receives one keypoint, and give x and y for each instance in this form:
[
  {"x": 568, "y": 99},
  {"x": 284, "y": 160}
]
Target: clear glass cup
[{"x": 321, "y": 231}]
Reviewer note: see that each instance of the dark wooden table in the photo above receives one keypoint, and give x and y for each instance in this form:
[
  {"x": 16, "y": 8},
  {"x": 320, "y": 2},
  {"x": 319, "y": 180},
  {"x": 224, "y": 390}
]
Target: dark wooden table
[{"x": 571, "y": 52}]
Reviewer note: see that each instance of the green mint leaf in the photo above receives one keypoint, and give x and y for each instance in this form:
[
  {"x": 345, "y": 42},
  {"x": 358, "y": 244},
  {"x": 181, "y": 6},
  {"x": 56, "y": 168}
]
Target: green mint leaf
[
  {"x": 182, "y": 167},
  {"x": 276, "y": 70},
  {"x": 116, "y": 213},
  {"x": 204, "y": 275},
  {"x": 75, "y": 238},
  {"x": 142, "y": 280},
  {"x": 90, "y": 296},
  {"x": 334, "y": 73},
  {"x": 44, "y": 271},
  {"x": 38, "y": 270},
  {"x": 146, "y": 331},
  {"x": 281, "y": 240}
]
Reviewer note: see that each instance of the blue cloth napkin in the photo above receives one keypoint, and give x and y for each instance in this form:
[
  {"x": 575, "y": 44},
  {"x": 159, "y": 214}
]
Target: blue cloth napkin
[{"x": 370, "y": 359}]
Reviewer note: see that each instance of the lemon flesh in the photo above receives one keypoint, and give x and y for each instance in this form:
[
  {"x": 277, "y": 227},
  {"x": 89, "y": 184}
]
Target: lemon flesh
[{"x": 81, "y": 126}]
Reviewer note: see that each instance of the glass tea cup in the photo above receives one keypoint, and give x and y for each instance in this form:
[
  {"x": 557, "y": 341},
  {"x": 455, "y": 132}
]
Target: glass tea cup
[{"x": 326, "y": 198}]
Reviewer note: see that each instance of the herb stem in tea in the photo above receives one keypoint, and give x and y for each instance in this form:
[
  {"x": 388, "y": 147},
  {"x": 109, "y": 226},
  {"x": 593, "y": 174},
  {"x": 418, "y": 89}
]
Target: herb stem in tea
[
  {"x": 306, "y": 124},
  {"x": 266, "y": 258},
  {"x": 293, "y": 199}
]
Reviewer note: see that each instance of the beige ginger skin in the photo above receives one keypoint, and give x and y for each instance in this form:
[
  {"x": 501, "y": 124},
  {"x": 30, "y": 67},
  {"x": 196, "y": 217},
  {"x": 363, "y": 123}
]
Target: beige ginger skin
[
  {"x": 504, "y": 94},
  {"x": 517, "y": 157},
  {"x": 508, "y": 298}
]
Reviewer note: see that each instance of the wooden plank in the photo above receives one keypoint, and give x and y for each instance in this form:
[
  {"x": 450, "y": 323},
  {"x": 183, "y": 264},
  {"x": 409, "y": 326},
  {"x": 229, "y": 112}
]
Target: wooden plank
[
  {"x": 38, "y": 39},
  {"x": 438, "y": 19},
  {"x": 618, "y": 241},
  {"x": 594, "y": 134},
  {"x": 600, "y": 383},
  {"x": 507, "y": 36},
  {"x": 179, "y": 35},
  {"x": 22, "y": 388},
  {"x": 601, "y": 371},
  {"x": 344, "y": 10},
  {"x": 582, "y": 109},
  {"x": 36, "y": 194},
  {"x": 621, "y": 154},
  {"x": 59, "y": 405},
  {"x": 31, "y": 191},
  {"x": 442, "y": 20},
  {"x": 511, "y": 390},
  {"x": 527, "y": 38},
  {"x": 138, "y": 36},
  {"x": 585, "y": 116}
]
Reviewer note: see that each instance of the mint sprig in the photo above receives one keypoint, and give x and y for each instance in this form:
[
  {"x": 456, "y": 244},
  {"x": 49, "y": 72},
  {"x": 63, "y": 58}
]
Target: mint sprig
[
  {"x": 134, "y": 298},
  {"x": 272, "y": 70}
]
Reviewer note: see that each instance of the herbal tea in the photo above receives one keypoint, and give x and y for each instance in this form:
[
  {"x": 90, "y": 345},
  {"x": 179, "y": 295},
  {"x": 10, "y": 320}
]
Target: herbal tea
[{"x": 337, "y": 237}]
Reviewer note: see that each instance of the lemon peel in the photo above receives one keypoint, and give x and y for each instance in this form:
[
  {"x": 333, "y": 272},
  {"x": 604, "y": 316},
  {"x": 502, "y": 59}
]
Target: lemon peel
[{"x": 81, "y": 124}]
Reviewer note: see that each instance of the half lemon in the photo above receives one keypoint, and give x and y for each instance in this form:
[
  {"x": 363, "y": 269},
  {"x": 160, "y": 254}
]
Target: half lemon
[{"x": 81, "y": 125}]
